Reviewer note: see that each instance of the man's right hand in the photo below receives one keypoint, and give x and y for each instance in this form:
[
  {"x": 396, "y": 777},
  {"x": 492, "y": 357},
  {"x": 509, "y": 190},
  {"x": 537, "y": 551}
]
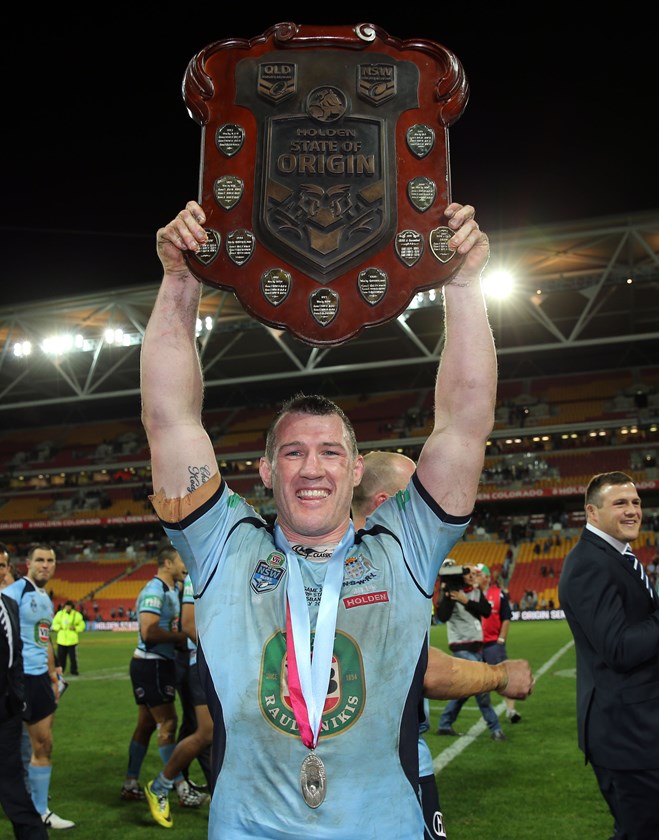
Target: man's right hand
[
  {"x": 468, "y": 241},
  {"x": 520, "y": 679},
  {"x": 184, "y": 233}
]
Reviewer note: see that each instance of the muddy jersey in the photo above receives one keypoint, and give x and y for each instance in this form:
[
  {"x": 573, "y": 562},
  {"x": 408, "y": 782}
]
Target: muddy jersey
[
  {"x": 36, "y": 615},
  {"x": 369, "y": 732}
]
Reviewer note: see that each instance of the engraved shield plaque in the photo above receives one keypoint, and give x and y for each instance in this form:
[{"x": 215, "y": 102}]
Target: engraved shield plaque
[{"x": 325, "y": 173}]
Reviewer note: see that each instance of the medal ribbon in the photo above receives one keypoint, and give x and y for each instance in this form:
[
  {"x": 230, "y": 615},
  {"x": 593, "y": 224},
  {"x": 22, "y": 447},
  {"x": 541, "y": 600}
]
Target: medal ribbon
[
  {"x": 308, "y": 678},
  {"x": 294, "y": 688}
]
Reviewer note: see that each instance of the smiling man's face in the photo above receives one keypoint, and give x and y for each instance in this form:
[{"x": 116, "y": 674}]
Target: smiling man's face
[
  {"x": 619, "y": 513},
  {"x": 312, "y": 477}
]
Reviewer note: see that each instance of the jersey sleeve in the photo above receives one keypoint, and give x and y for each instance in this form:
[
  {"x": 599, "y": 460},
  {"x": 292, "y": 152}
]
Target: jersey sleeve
[
  {"x": 200, "y": 534},
  {"x": 426, "y": 533}
]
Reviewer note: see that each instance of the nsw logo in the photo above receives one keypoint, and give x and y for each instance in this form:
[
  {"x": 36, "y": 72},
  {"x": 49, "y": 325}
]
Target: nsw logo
[{"x": 266, "y": 577}]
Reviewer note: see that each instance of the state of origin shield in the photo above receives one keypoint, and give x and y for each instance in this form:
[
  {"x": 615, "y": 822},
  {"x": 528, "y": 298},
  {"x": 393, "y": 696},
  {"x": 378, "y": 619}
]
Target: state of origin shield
[{"x": 325, "y": 173}]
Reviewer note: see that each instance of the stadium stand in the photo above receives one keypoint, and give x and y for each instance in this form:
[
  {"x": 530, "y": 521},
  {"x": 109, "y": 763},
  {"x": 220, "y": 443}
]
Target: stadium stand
[
  {"x": 75, "y": 486},
  {"x": 81, "y": 580}
]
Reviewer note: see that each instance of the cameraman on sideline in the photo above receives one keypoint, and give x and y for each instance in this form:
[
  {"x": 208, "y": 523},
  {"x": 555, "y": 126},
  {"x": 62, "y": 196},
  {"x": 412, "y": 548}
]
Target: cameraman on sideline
[{"x": 461, "y": 606}]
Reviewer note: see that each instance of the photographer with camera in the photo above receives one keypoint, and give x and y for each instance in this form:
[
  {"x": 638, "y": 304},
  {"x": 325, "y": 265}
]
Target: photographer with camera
[{"x": 461, "y": 607}]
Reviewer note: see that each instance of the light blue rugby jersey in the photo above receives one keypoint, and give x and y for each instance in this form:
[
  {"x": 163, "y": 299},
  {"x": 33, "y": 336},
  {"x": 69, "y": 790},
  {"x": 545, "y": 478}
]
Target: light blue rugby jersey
[
  {"x": 36, "y": 615},
  {"x": 188, "y": 598},
  {"x": 162, "y": 600},
  {"x": 369, "y": 740}
]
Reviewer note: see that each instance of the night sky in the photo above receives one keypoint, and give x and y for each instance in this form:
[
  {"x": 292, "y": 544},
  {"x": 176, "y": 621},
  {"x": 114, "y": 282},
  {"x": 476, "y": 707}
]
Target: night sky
[{"x": 99, "y": 150}]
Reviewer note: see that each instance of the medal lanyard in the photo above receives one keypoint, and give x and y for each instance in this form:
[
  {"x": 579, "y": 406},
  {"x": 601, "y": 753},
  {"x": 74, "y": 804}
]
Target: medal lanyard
[{"x": 308, "y": 677}]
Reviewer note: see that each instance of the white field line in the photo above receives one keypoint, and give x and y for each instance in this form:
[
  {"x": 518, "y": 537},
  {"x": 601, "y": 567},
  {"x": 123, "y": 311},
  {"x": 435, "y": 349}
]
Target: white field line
[
  {"x": 99, "y": 675},
  {"x": 459, "y": 744}
]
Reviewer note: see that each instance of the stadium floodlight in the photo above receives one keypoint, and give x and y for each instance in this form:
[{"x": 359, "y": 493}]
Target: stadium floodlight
[
  {"x": 22, "y": 349},
  {"x": 498, "y": 284},
  {"x": 207, "y": 325},
  {"x": 114, "y": 336},
  {"x": 58, "y": 345}
]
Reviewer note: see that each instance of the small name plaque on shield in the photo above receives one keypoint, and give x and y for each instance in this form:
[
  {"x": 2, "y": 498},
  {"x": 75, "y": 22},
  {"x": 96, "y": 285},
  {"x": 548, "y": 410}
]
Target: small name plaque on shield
[{"x": 325, "y": 173}]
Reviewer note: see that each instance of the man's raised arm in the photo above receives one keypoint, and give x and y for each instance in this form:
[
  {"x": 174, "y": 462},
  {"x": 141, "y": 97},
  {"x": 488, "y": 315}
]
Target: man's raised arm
[
  {"x": 451, "y": 461},
  {"x": 182, "y": 455}
]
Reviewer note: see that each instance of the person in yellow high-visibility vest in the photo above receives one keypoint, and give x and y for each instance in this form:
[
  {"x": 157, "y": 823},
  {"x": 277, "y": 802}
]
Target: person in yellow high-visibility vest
[{"x": 68, "y": 623}]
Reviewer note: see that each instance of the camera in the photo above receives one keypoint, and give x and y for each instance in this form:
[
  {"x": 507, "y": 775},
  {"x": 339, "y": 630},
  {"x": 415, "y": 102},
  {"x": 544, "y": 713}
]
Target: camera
[{"x": 453, "y": 577}]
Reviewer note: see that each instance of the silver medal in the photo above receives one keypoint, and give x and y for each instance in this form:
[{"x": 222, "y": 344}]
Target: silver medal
[{"x": 313, "y": 780}]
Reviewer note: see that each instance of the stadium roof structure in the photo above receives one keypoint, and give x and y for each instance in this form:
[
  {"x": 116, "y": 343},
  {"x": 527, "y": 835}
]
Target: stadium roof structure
[{"x": 586, "y": 299}]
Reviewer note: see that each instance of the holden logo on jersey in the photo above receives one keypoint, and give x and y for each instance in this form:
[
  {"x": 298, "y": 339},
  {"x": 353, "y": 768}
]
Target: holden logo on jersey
[{"x": 345, "y": 693}]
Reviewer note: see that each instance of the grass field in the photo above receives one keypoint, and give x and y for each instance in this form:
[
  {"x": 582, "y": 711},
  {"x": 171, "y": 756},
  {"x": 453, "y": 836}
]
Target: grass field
[{"x": 533, "y": 785}]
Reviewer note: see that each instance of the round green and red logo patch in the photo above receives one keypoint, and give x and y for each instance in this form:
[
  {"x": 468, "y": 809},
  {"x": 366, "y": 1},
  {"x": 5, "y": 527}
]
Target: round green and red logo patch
[{"x": 345, "y": 693}]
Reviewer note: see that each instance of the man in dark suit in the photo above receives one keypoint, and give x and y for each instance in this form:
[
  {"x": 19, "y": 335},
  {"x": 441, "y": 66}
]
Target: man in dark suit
[
  {"x": 614, "y": 618},
  {"x": 14, "y": 797}
]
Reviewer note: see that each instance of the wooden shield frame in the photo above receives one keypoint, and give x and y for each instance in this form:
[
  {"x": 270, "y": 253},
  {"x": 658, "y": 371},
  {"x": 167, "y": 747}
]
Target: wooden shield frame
[{"x": 325, "y": 173}]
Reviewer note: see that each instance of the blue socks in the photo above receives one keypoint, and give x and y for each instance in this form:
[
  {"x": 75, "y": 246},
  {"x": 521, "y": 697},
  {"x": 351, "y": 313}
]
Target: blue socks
[
  {"x": 161, "y": 784},
  {"x": 166, "y": 752},
  {"x": 39, "y": 785},
  {"x": 136, "y": 753}
]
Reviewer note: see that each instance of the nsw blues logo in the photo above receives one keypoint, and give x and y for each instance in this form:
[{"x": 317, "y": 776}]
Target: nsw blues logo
[{"x": 268, "y": 573}]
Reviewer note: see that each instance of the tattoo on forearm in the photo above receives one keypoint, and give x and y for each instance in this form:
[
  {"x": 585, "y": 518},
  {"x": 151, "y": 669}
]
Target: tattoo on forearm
[{"x": 198, "y": 476}]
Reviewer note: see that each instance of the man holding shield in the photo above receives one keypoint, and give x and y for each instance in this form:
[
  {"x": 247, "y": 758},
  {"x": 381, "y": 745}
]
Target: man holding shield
[{"x": 299, "y": 740}]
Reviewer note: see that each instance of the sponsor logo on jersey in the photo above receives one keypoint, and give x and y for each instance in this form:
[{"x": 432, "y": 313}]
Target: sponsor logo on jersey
[
  {"x": 233, "y": 500},
  {"x": 265, "y": 576},
  {"x": 366, "y": 599},
  {"x": 42, "y": 632},
  {"x": 402, "y": 498},
  {"x": 154, "y": 601},
  {"x": 346, "y": 692},
  {"x": 438, "y": 824},
  {"x": 313, "y": 553}
]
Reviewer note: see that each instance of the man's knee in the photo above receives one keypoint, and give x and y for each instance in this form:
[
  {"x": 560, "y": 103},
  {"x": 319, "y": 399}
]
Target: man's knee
[
  {"x": 167, "y": 730},
  {"x": 42, "y": 748}
]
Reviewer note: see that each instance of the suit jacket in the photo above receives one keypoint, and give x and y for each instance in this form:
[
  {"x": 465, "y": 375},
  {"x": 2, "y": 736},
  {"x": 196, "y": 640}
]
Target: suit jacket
[
  {"x": 615, "y": 625},
  {"x": 13, "y": 700}
]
